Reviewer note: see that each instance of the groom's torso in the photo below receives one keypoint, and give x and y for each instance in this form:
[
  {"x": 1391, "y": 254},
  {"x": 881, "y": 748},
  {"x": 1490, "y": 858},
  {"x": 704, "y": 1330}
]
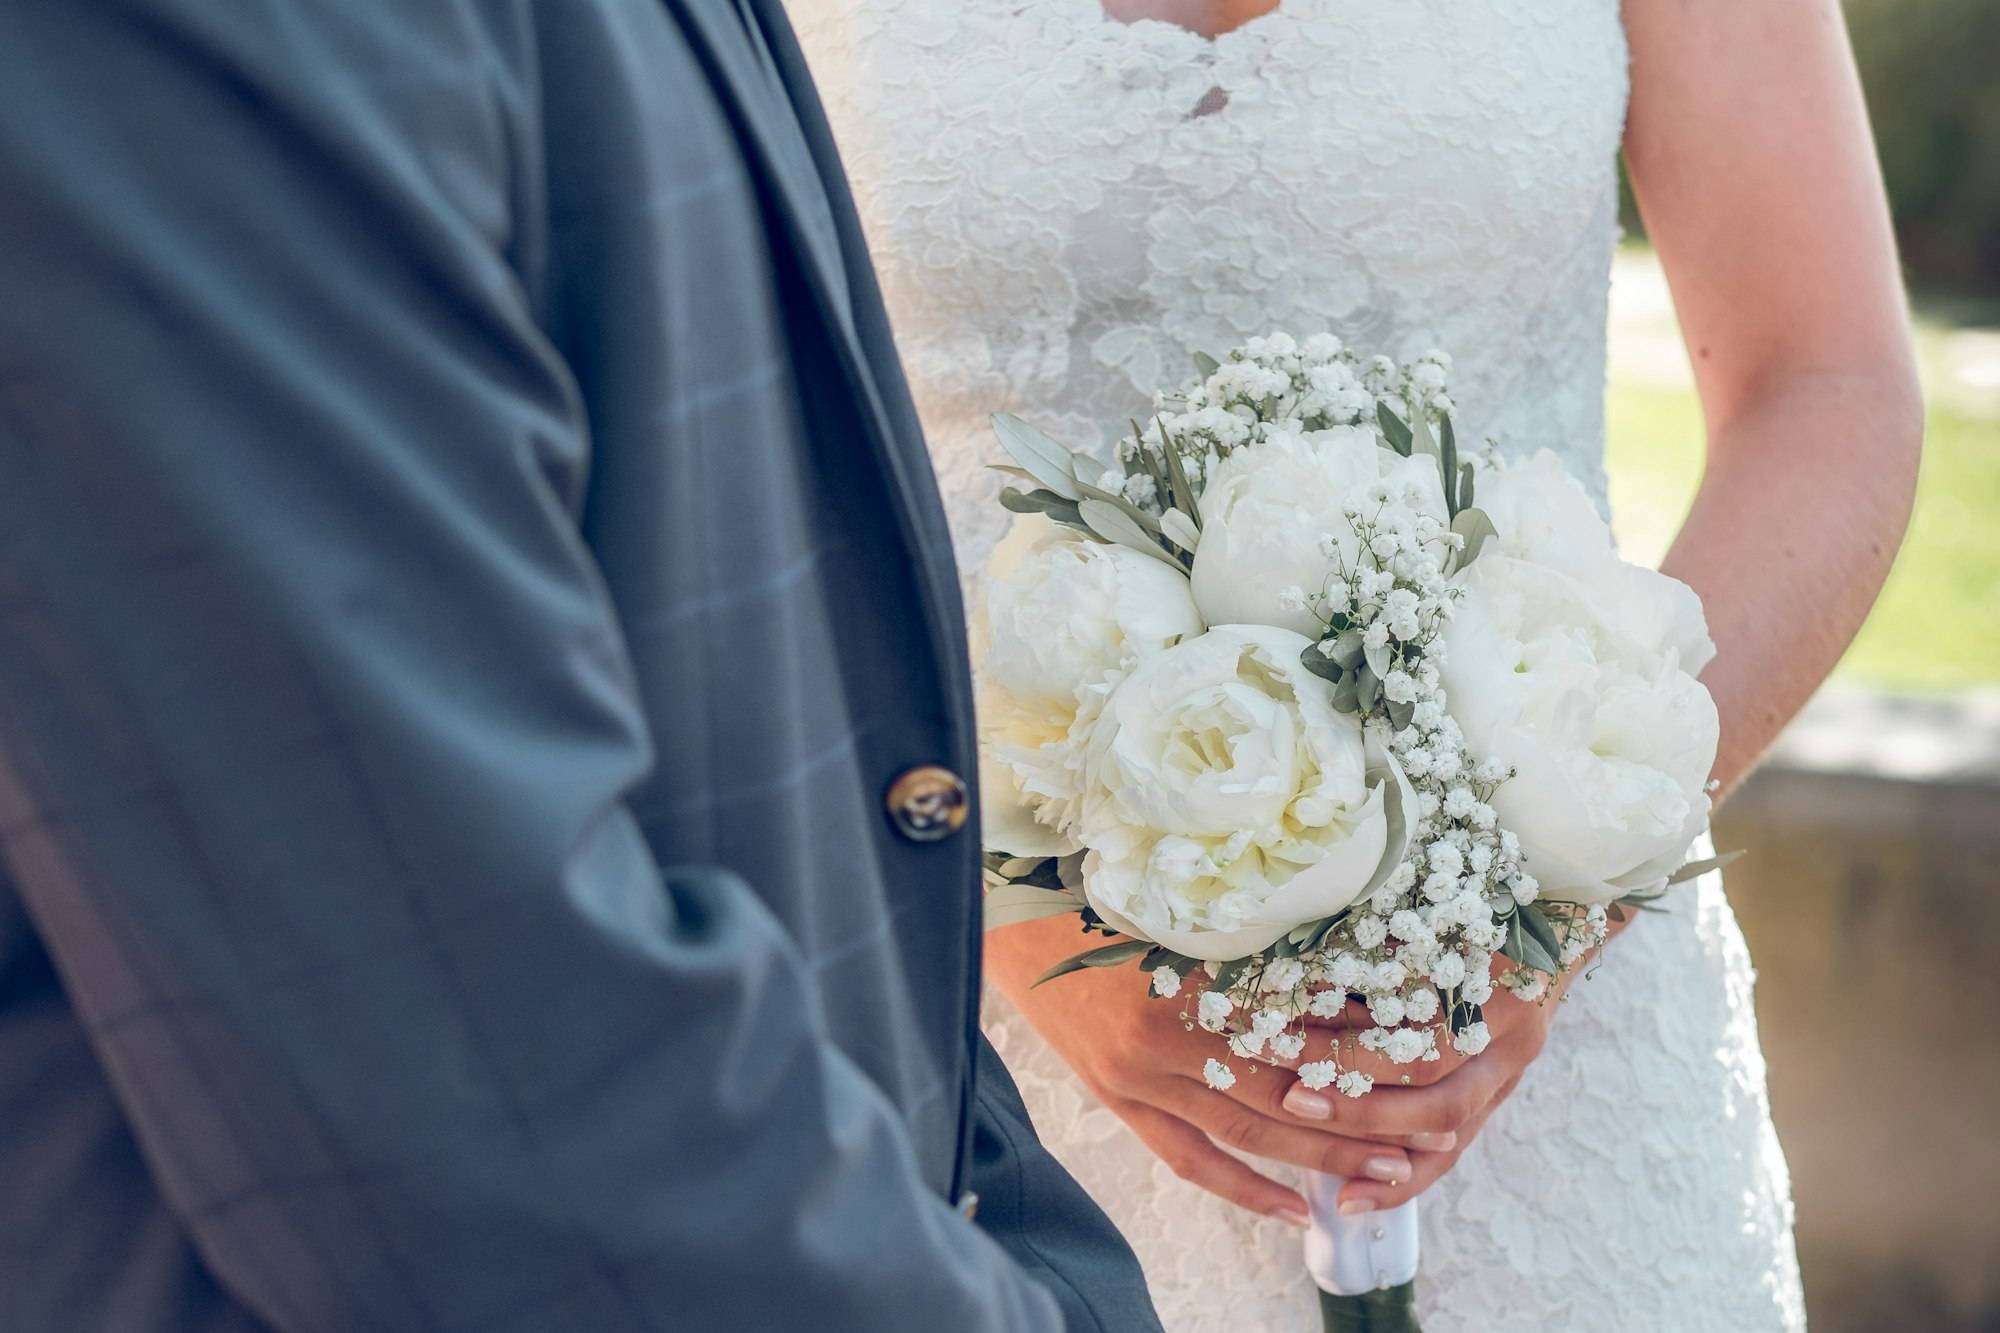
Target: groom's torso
[
  {"x": 758, "y": 498},
  {"x": 752, "y": 487}
]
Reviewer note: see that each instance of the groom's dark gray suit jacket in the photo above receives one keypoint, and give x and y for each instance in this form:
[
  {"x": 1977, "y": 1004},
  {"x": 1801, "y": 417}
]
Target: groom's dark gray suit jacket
[{"x": 469, "y": 582}]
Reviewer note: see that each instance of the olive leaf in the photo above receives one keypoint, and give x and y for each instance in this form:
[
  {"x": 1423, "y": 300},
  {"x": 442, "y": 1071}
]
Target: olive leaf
[
  {"x": 1180, "y": 530},
  {"x": 1109, "y": 956},
  {"x": 1477, "y": 529},
  {"x": 1393, "y": 430},
  {"x": 1695, "y": 869},
  {"x": 1421, "y": 439},
  {"x": 1183, "y": 495},
  {"x": 1042, "y": 502},
  {"x": 1448, "y": 465},
  {"x": 1011, "y": 904},
  {"x": 1051, "y": 464},
  {"x": 1115, "y": 525}
]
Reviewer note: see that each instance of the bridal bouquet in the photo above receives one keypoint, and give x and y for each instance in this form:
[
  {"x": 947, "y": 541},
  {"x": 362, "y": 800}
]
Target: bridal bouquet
[{"x": 1284, "y": 714}]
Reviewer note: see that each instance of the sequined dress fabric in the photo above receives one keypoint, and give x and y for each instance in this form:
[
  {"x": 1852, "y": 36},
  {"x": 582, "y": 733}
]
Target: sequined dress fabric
[{"x": 1061, "y": 206}]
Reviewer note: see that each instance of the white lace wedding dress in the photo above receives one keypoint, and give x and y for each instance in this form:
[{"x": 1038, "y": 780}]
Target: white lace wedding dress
[{"x": 1061, "y": 206}]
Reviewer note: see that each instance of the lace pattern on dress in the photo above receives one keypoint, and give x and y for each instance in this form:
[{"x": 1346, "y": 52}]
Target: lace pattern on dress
[{"x": 1062, "y": 207}]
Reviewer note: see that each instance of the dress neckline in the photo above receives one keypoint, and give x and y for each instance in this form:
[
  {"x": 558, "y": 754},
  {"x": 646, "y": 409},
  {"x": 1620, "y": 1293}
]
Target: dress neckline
[
  {"x": 1092, "y": 18},
  {"x": 1269, "y": 17}
]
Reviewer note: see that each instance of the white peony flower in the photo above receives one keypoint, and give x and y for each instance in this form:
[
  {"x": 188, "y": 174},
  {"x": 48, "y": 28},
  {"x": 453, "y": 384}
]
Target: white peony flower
[
  {"x": 1269, "y": 506},
  {"x": 1545, "y": 517},
  {"x": 1063, "y": 612},
  {"x": 1226, "y": 801},
  {"x": 1611, "y": 743},
  {"x": 1064, "y": 618}
]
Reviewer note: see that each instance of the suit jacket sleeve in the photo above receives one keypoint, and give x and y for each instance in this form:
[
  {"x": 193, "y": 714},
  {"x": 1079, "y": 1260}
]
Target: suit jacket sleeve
[{"x": 316, "y": 730}]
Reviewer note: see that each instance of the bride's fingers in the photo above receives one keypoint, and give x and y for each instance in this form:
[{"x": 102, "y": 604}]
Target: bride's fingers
[
  {"x": 1444, "y": 1107},
  {"x": 1368, "y": 1196},
  {"x": 1190, "y": 1155},
  {"x": 1264, "y": 1128}
]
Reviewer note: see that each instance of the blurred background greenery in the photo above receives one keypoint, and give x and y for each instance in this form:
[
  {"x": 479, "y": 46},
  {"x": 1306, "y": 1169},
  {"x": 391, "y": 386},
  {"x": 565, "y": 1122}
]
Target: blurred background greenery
[
  {"x": 1929, "y": 70},
  {"x": 1878, "y": 816}
]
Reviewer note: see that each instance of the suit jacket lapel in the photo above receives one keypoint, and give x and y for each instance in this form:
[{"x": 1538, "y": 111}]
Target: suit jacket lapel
[
  {"x": 837, "y": 270},
  {"x": 753, "y": 98}
]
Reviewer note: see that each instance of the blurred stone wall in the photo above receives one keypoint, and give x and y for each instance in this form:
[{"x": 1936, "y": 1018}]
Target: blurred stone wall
[{"x": 1871, "y": 901}]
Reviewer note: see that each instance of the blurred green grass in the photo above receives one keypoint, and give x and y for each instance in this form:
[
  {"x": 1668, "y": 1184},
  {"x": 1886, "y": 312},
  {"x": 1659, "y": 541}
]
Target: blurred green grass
[{"x": 1937, "y": 625}]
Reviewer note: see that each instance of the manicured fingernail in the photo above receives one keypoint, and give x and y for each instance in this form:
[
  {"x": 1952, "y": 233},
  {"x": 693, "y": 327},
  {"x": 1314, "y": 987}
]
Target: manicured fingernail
[
  {"x": 1389, "y": 1170},
  {"x": 1304, "y": 1102},
  {"x": 1291, "y": 1217},
  {"x": 1356, "y": 1207},
  {"x": 1444, "y": 1142}
]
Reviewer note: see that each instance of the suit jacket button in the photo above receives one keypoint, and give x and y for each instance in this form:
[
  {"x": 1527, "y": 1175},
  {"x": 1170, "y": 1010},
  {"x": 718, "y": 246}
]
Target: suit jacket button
[{"x": 928, "y": 803}]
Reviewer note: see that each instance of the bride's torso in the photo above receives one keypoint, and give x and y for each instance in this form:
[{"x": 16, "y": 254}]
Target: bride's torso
[{"x": 1063, "y": 206}]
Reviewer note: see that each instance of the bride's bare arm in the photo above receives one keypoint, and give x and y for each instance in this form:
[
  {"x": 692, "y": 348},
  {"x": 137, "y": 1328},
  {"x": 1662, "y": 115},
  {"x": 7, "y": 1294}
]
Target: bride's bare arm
[
  {"x": 1749, "y": 149},
  {"x": 1749, "y": 146}
]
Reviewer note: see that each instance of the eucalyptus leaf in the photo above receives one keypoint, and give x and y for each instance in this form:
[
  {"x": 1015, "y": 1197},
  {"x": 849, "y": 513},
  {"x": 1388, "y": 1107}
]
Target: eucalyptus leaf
[
  {"x": 1205, "y": 365},
  {"x": 1380, "y": 660},
  {"x": 1367, "y": 689},
  {"x": 1695, "y": 869},
  {"x": 1049, "y": 461},
  {"x": 1348, "y": 649},
  {"x": 1180, "y": 530},
  {"x": 1393, "y": 429},
  {"x": 1464, "y": 489},
  {"x": 1347, "y": 694},
  {"x": 1115, "y": 525},
  {"x": 1524, "y": 948},
  {"x": 1109, "y": 956},
  {"x": 1542, "y": 928},
  {"x": 1313, "y": 660},
  {"x": 1069, "y": 872},
  {"x": 1401, "y": 713}
]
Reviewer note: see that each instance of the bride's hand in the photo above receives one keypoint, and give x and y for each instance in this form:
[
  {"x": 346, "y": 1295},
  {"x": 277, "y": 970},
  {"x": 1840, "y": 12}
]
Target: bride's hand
[
  {"x": 1138, "y": 1056},
  {"x": 1450, "y": 1097}
]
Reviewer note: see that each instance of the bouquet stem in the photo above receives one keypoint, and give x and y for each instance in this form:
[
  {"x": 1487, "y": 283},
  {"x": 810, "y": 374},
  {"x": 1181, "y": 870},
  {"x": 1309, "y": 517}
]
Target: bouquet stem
[
  {"x": 1365, "y": 1265},
  {"x": 1393, "y": 1310}
]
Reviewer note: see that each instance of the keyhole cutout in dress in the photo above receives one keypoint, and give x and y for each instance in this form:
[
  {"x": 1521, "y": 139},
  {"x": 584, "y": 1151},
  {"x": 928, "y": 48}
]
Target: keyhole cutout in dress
[{"x": 1205, "y": 18}]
